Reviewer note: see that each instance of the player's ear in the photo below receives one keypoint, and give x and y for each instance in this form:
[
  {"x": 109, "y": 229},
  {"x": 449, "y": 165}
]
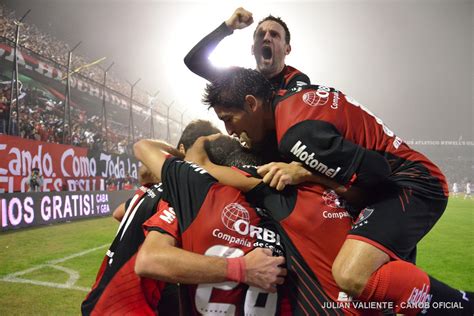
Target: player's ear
[
  {"x": 252, "y": 50},
  {"x": 251, "y": 102},
  {"x": 287, "y": 49},
  {"x": 182, "y": 149}
]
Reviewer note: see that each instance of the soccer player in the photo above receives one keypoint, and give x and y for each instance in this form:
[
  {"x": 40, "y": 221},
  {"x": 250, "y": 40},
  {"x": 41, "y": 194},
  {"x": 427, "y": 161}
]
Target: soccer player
[
  {"x": 270, "y": 47},
  {"x": 335, "y": 137},
  {"x": 213, "y": 219},
  {"x": 455, "y": 189},
  {"x": 296, "y": 207},
  {"x": 117, "y": 288},
  {"x": 468, "y": 190}
]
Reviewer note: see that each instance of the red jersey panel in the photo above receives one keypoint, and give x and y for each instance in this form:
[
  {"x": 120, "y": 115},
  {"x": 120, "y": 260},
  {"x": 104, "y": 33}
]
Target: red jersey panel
[{"x": 329, "y": 133}]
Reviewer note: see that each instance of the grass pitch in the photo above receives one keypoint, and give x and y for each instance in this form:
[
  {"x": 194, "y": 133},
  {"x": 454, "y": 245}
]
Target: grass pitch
[{"x": 45, "y": 257}]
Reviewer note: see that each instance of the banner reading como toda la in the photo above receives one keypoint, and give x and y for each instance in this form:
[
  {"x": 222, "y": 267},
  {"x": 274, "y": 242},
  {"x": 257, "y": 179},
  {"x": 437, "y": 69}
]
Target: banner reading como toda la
[{"x": 63, "y": 167}]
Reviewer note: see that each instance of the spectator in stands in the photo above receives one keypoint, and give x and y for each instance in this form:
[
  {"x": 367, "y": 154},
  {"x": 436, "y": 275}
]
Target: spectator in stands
[
  {"x": 4, "y": 109},
  {"x": 35, "y": 180},
  {"x": 128, "y": 183},
  {"x": 112, "y": 184}
]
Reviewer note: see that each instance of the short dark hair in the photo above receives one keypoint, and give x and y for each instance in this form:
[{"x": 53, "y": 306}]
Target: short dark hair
[
  {"x": 231, "y": 86},
  {"x": 279, "y": 21},
  {"x": 194, "y": 130},
  {"x": 227, "y": 151}
]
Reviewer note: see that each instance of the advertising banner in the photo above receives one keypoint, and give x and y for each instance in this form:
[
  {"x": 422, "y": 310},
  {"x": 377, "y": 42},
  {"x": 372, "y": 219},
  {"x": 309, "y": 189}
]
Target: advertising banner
[
  {"x": 62, "y": 167},
  {"x": 21, "y": 210}
]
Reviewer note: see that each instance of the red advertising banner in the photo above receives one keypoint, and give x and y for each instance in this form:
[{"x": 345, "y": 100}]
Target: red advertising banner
[{"x": 62, "y": 167}]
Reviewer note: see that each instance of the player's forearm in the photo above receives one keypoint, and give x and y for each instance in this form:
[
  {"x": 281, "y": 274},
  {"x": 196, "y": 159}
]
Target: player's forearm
[
  {"x": 119, "y": 212},
  {"x": 152, "y": 153},
  {"x": 180, "y": 266},
  {"x": 197, "y": 59},
  {"x": 159, "y": 259}
]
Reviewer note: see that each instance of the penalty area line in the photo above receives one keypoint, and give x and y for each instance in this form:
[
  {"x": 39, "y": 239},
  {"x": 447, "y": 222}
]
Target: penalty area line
[{"x": 69, "y": 284}]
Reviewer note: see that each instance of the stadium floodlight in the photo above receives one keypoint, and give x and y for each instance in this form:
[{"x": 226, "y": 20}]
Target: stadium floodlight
[
  {"x": 130, "y": 119},
  {"x": 14, "y": 82},
  {"x": 67, "y": 101},
  {"x": 104, "y": 109}
]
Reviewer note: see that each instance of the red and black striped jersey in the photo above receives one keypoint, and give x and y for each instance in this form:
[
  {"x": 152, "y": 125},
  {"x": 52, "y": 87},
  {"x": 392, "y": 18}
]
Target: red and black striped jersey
[
  {"x": 211, "y": 219},
  {"x": 333, "y": 135},
  {"x": 117, "y": 289}
]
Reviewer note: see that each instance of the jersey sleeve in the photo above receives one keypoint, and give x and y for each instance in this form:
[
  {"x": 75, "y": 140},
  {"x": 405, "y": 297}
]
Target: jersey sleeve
[
  {"x": 197, "y": 60},
  {"x": 127, "y": 203},
  {"x": 185, "y": 187},
  {"x": 323, "y": 150},
  {"x": 164, "y": 221},
  {"x": 311, "y": 132}
]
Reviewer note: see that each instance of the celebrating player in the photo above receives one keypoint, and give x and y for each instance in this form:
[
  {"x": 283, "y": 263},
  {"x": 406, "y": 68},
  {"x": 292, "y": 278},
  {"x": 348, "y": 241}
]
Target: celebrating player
[
  {"x": 335, "y": 137},
  {"x": 215, "y": 219},
  {"x": 117, "y": 269},
  {"x": 270, "y": 47}
]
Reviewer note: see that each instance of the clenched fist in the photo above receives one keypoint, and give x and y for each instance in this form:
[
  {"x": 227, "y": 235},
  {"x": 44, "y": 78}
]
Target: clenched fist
[{"x": 240, "y": 19}]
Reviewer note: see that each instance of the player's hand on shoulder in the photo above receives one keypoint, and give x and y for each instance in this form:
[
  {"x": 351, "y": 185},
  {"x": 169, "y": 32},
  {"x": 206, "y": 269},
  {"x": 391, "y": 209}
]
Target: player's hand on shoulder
[
  {"x": 279, "y": 174},
  {"x": 264, "y": 271},
  {"x": 240, "y": 19}
]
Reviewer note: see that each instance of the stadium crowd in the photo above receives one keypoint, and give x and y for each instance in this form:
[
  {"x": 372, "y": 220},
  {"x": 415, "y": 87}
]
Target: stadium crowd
[
  {"x": 41, "y": 117},
  {"x": 56, "y": 51}
]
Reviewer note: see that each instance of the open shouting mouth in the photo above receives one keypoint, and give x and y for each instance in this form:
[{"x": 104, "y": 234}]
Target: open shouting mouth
[{"x": 267, "y": 52}]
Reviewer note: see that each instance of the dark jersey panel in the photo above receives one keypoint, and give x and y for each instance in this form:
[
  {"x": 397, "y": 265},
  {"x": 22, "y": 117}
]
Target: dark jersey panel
[
  {"x": 197, "y": 60},
  {"x": 116, "y": 282},
  {"x": 320, "y": 106},
  {"x": 186, "y": 186}
]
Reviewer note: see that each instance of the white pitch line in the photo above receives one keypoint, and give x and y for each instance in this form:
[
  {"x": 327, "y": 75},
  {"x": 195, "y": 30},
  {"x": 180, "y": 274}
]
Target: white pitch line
[
  {"x": 76, "y": 254},
  {"x": 73, "y": 275}
]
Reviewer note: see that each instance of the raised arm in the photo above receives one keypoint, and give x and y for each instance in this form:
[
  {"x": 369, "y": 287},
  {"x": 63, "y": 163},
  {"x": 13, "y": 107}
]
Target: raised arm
[
  {"x": 197, "y": 60},
  {"x": 152, "y": 153}
]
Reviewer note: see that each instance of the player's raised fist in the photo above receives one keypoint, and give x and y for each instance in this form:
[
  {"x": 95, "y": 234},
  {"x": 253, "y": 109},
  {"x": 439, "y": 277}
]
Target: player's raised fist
[{"x": 240, "y": 19}]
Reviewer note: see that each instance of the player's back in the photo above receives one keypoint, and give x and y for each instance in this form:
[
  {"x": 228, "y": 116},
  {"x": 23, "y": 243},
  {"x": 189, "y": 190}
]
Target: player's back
[
  {"x": 215, "y": 220},
  {"x": 330, "y": 112}
]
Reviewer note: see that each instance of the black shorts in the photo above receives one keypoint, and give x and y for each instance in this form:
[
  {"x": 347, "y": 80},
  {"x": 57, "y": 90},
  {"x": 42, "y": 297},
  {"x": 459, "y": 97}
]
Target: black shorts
[{"x": 398, "y": 220}]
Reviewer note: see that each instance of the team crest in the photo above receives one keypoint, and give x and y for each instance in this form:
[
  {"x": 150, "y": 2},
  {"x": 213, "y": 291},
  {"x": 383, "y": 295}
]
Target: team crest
[{"x": 362, "y": 219}]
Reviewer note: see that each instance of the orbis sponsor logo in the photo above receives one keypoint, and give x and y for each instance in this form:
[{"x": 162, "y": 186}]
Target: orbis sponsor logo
[
  {"x": 236, "y": 218},
  {"x": 308, "y": 158},
  {"x": 246, "y": 229},
  {"x": 333, "y": 200}
]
